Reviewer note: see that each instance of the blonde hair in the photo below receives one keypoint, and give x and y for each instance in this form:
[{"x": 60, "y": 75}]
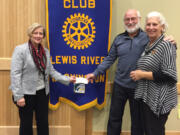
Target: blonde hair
[{"x": 32, "y": 28}]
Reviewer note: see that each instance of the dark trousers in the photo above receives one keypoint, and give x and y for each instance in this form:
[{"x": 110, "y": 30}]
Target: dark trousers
[
  {"x": 153, "y": 124},
  {"x": 34, "y": 103},
  {"x": 120, "y": 95}
]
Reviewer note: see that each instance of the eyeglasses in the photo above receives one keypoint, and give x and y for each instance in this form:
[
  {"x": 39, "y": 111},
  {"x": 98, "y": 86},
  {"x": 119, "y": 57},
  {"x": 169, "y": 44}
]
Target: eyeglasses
[{"x": 132, "y": 19}]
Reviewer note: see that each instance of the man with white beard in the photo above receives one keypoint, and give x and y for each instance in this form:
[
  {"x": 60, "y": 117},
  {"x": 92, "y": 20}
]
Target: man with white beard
[{"x": 127, "y": 48}]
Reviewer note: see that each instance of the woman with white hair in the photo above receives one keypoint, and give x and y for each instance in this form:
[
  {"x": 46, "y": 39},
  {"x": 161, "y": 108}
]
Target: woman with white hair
[
  {"x": 156, "y": 77},
  {"x": 30, "y": 70}
]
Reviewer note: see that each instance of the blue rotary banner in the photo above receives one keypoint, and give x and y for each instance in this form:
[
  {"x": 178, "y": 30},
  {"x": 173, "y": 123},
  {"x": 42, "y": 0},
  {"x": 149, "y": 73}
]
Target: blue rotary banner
[{"x": 78, "y": 33}]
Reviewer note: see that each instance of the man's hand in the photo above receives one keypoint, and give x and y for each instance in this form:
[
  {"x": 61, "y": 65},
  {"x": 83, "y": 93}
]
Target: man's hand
[
  {"x": 170, "y": 39},
  {"x": 90, "y": 77}
]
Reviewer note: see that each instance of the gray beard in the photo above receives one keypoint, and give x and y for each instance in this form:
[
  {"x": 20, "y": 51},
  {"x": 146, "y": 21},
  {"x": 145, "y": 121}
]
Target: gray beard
[{"x": 132, "y": 30}]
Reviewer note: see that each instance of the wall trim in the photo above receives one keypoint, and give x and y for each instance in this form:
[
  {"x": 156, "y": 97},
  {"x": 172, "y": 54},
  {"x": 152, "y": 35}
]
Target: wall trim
[
  {"x": 128, "y": 133},
  {"x": 5, "y": 63},
  {"x": 110, "y": 87},
  {"x": 54, "y": 130}
]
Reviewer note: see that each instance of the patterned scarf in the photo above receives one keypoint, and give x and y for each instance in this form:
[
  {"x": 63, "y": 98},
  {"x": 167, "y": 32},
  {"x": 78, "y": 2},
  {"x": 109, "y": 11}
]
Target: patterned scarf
[{"x": 39, "y": 56}]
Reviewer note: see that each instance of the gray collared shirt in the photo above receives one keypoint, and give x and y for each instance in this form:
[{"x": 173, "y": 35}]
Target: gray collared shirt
[{"x": 127, "y": 51}]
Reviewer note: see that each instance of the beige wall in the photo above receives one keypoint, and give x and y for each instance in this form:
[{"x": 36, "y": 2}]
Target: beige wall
[{"x": 170, "y": 9}]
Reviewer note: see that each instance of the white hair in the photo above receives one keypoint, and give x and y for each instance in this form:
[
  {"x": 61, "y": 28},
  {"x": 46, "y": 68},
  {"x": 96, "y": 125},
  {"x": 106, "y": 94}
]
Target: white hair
[
  {"x": 138, "y": 14},
  {"x": 137, "y": 26},
  {"x": 161, "y": 18},
  {"x": 137, "y": 11}
]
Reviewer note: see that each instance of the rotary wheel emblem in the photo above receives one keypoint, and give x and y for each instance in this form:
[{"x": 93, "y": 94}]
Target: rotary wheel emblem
[{"x": 79, "y": 31}]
